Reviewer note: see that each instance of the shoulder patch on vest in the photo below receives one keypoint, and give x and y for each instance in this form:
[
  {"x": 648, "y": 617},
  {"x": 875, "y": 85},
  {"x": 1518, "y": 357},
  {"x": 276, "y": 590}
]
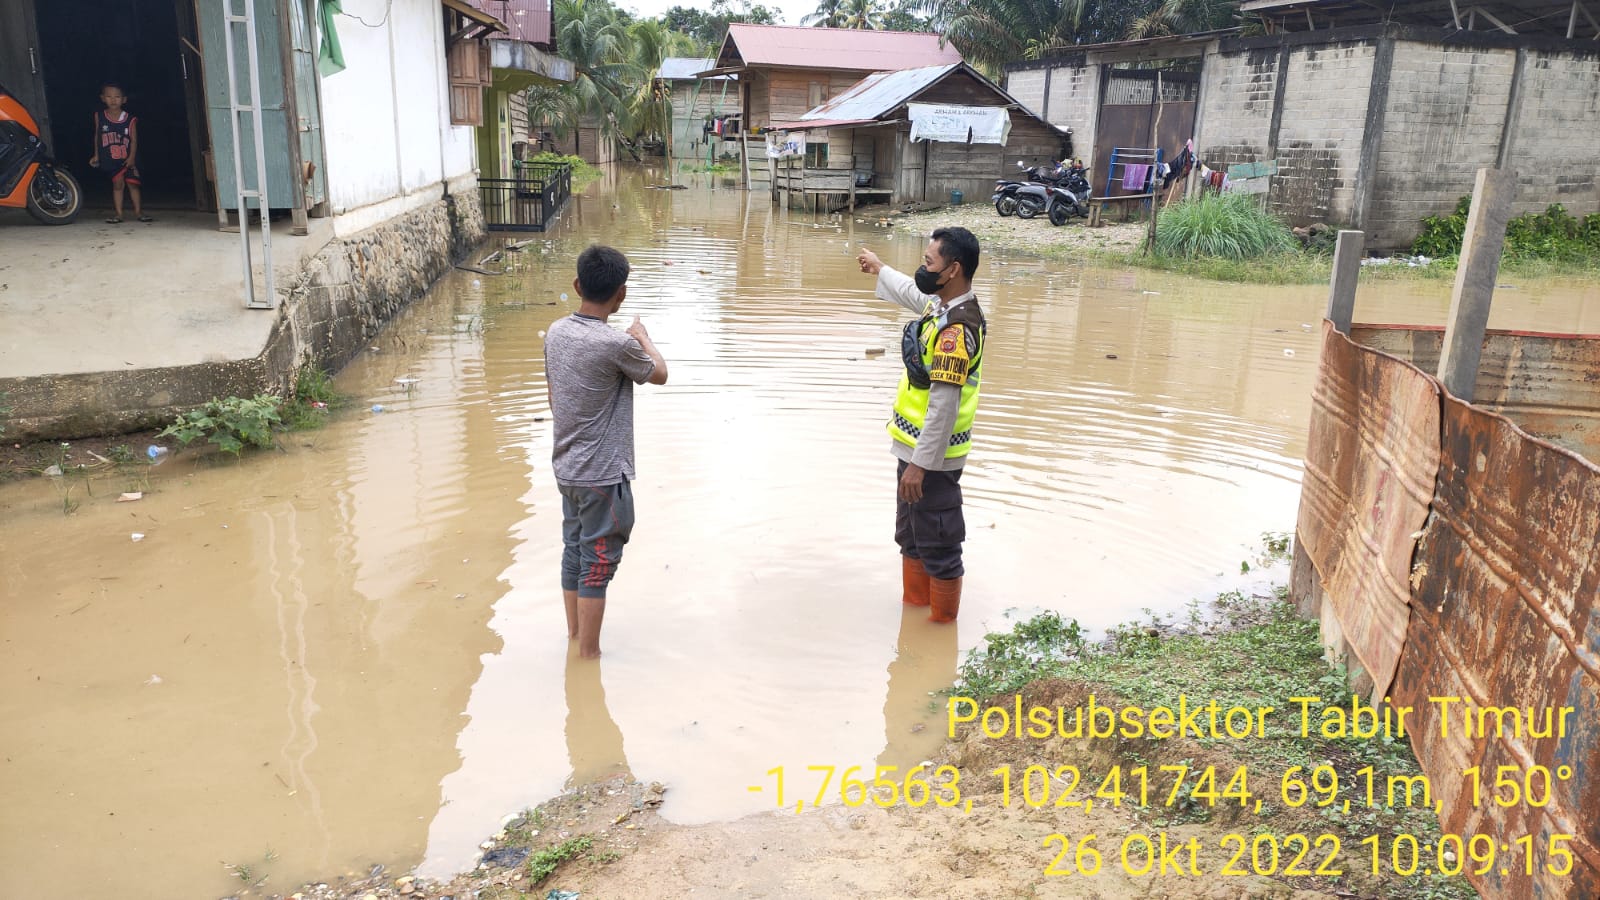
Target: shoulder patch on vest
[{"x": 951, "y": 359}]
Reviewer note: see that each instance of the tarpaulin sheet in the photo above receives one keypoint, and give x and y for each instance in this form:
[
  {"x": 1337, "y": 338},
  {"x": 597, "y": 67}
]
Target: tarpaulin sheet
[
  {"x": 1371, "y": 457},
  {"x": 1505, "y": 614},
  {"x": 959, "y": 124},
  {"x": 785, "y": 144}
]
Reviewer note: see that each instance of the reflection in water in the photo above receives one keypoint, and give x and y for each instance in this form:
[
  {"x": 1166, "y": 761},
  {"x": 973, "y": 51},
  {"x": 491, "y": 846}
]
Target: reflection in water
[
  {"x": 353, "y": 652},
  {"x": 925, "y": 662},
  {"x": 594, "y": 742}
]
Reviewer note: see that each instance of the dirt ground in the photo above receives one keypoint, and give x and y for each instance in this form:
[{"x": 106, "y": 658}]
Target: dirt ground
[
  {"x": 993, "y": 851},
  {"x": 96, "y": 455},
  {"x": 1035, "y": 235}
]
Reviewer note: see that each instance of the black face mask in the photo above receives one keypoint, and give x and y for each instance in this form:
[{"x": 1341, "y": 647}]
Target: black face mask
[{"x": 928, "y": 282}]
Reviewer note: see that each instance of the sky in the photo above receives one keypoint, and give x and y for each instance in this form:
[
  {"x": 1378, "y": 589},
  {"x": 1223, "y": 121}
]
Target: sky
[{"x": 790, "y": 11}]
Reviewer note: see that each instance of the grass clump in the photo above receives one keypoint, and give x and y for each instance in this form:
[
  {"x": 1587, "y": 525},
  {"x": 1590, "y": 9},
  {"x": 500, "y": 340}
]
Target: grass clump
[
  {"x": 1221, "y": 226},
  {"x": 544, "y": 863},
  {"x": 1248, "y": 651},
  {"x": 314, "y": 396}
]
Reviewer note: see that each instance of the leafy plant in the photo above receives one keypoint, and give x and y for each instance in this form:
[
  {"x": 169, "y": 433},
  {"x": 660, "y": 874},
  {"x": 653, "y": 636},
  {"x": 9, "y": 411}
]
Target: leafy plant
[
  {"x": 5, "y": 411},
  {"x": 1554, "y": 235},
  {"x": 231, "y": 424},
  {"x": 582, "y": 172},
  {"x": 1224, "y": 226},
  {"x": 545, "y": 861}
]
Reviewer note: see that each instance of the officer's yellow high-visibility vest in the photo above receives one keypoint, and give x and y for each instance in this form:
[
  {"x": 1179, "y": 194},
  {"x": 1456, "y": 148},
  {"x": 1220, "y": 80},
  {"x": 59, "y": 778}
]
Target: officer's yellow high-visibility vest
[{"x": 949, "y": 349}]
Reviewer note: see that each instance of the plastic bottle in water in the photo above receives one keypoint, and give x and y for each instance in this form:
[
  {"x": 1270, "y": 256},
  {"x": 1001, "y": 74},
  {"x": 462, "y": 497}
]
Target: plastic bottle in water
[{"x": 157, "y": 454}]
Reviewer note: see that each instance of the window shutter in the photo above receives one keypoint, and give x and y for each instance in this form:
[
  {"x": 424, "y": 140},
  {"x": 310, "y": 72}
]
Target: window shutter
[{"x": 468, "y": 66}]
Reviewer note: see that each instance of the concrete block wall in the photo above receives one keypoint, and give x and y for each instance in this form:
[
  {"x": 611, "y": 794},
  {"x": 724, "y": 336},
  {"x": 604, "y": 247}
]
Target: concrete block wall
[
  {"x": 1074, "y": 100},
  {"x": 1555, "y": 146},
  {"x": 1075, "y": 104},
  {"x": 1236, "y": 99},
  {"x": 1323, "y": 120},
  {"x": 1027, "y": 85},
  {"x": 1443, "y": 120}
]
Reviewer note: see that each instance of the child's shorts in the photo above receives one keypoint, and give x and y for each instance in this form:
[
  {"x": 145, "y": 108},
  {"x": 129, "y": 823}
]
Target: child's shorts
[{"x": 595, "y": 524}]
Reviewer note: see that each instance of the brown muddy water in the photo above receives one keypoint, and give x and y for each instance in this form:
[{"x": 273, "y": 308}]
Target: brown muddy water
[{"x": 351, "y": 652}]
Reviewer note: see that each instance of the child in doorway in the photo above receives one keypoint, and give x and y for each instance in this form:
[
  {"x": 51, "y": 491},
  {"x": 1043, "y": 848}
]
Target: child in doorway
[
  {"x": 591, "y": 369},
  {"x": 116, "y": 151}
]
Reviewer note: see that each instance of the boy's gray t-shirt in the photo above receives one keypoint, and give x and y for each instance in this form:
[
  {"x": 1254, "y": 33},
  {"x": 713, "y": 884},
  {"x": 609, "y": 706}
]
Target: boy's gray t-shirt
[{"x": 591, "y": 369}]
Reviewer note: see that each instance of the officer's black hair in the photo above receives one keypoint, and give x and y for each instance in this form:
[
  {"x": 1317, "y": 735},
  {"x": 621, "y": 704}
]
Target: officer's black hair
[
  {"x": 956, "y": 244},
  {"x": 602, "y": 271}
]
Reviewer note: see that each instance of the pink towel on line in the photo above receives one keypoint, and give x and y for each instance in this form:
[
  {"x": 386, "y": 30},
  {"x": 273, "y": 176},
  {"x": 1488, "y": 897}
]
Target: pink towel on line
[{"x": 1134, "y": 177}]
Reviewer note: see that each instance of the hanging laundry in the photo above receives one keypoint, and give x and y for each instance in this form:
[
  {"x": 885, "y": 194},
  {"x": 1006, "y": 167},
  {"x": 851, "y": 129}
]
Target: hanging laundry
[
  {"x": 1134, "y": 177},
  {"x": 1181, "y": 166}
]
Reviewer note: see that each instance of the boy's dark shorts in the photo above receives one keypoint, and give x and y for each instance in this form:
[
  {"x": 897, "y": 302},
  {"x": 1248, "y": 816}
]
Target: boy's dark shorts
[{"x": 595, "y": 524}]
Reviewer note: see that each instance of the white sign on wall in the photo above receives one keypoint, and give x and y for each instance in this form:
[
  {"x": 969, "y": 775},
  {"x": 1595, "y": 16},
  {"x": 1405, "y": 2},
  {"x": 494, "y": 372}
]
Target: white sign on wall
[
  {"x": 784, "y": 144},
  {"x": 959, "y": 124}
]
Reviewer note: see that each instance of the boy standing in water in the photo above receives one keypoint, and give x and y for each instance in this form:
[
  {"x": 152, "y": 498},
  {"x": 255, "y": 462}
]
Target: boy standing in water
[
  {"x": 591, "y": 369},
  {"x": 116, "y": 151}
]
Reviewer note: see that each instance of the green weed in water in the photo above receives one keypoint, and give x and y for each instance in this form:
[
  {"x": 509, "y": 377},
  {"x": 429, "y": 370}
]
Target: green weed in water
[
  {"x": 314, "y": 396},
  {"x": 231, "y": 424}
]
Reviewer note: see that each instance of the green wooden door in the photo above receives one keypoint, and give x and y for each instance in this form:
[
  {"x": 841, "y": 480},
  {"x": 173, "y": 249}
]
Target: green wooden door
[{"x": 280, "y": 181}]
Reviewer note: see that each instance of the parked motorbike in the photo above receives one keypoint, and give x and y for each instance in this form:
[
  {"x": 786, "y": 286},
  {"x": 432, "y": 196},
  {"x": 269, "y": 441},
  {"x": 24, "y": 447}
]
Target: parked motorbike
[
  {"x": 1070, "y": 198},
  {"x": 29, "y": 177},
  {"x": 1005, "y": 192}
]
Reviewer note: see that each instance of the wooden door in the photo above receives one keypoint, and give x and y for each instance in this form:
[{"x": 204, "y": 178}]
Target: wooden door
[{"x": 22, "y": 63}]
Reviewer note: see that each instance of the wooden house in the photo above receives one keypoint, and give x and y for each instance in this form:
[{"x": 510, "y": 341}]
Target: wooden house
[
  {"x": 699, "y": 104},
  {"x": 785, "y": 71},
  {"x": 918, "y": 135}
]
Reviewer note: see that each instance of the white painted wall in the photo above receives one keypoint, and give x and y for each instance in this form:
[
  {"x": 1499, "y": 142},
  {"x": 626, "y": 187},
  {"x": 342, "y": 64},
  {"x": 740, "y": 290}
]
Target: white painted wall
[{"x": 386, "y": 117}]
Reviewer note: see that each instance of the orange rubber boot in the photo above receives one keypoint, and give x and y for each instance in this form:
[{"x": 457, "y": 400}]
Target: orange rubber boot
[
  {"x": 946, "y": 599},
  {"x": 915, "y": 579}
]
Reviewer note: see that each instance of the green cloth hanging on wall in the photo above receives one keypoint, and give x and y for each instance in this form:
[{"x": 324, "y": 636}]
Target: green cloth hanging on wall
[{"x": 330, "y": 57}]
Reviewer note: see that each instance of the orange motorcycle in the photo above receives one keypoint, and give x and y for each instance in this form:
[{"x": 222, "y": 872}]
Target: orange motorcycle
[{"x": 29, "y": 178}]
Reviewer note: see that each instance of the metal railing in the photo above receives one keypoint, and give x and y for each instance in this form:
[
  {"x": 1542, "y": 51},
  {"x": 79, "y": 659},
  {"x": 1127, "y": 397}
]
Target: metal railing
[{"x": 528, "y": 202}]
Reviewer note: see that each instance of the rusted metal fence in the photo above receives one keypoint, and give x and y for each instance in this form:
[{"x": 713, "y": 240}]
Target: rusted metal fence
[{"x": 1450, "y": 554}]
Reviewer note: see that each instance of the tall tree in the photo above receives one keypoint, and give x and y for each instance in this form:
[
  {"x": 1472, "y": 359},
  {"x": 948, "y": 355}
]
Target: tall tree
[
  {"x": 863, "y": 14},
  {"x": 991, "y": 33}
]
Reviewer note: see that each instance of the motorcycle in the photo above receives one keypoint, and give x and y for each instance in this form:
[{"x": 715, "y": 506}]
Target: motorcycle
[
  {"x": 1070, "y": 197},
  {"x": 1005, "y": 191},
  {"x": 29, "y": 177}
]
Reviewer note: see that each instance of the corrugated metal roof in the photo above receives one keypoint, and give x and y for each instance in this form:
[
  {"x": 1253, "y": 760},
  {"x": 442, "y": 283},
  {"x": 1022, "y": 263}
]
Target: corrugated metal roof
[
  {"x": 683, "y": 68},
  {"x": 838, "y": 48},
  {"x": 877, "y": 94}
]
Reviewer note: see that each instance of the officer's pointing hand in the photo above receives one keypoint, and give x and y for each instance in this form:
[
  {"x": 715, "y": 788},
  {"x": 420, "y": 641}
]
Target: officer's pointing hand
[
  {"x": 636, "y": 330},
  {"x": 870, "y": 263}
]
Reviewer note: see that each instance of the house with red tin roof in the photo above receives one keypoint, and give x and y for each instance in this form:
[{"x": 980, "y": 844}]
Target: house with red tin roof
[{"x": 786, "y": 71}]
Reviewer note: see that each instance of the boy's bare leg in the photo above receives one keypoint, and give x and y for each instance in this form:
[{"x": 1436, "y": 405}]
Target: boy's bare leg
[
  {"x": 138, "y": 205},
  {"x": 591, "y": 611},
  {"x": 570, "y": 599},
  {"x": 116, "y": 196}
]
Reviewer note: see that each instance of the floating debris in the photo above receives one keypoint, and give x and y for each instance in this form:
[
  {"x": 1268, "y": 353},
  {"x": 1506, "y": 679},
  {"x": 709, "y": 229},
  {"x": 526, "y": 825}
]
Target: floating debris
[{"x": 131, "y": 496}]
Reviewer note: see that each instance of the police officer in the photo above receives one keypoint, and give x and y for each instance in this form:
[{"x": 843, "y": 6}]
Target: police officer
[{"x": 942, "y": 353}]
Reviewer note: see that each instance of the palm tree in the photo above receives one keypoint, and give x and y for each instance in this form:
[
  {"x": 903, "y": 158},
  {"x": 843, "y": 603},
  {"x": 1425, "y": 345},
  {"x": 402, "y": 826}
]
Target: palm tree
[
  {"x": 600, "y": 46},
  {"x": 991, "y": 33},
  {"x": 863, "y": 14},
  {"x": 1183, "y": 17},
  {"x": 828, "y": 14}
]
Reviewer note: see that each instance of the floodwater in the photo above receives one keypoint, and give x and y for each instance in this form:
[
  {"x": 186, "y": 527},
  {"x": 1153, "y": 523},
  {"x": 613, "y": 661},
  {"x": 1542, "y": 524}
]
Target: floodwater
[{"x": 352, "y": 652}]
